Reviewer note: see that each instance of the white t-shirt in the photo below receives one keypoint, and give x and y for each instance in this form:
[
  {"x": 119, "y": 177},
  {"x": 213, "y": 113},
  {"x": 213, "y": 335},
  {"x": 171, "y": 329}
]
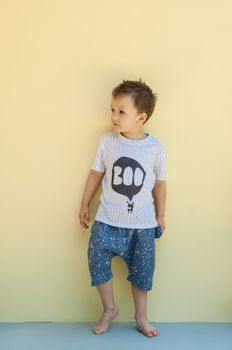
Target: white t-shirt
[{"x": 131, "y": 168}]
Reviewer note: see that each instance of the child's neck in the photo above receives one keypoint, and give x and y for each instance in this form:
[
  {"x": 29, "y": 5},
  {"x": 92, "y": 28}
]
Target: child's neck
[{"x": 140, "y": 135}]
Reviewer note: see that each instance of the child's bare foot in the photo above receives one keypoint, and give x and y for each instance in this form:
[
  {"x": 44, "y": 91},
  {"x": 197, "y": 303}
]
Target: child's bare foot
[
  {"x": 105, "y": 320},
  {"x": 146, "y": 328}
]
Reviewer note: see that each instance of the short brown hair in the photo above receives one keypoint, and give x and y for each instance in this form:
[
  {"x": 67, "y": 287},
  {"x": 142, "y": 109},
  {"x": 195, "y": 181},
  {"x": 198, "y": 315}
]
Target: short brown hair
[{"x": 144, "y": 99}]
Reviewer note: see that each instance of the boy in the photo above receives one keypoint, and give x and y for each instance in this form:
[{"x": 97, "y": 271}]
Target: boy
[{"x": 131, "y": 166}]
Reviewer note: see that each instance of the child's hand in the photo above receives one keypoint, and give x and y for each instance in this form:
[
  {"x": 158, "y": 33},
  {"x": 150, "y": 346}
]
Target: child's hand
[
  {"x": 160, "y": 220},
  {"x": 84, "y": 215}
]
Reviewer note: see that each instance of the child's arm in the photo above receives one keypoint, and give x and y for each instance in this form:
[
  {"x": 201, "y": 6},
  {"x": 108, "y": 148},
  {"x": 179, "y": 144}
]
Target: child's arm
[
  {"x": 92, "y": 183},
  {"x": 159, "y": 196}
]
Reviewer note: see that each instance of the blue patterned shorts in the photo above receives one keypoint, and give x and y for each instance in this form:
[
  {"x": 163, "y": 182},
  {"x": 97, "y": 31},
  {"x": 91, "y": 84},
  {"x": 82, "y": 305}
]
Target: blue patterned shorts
[{"x": 135, "y": 246}]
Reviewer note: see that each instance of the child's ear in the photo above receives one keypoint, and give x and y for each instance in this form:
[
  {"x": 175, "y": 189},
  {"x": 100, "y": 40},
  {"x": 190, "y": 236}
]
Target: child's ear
[{"x": 143, "y": 117}]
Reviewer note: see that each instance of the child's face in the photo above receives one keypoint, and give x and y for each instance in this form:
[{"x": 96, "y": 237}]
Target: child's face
[{"x": 124, "y": 115}]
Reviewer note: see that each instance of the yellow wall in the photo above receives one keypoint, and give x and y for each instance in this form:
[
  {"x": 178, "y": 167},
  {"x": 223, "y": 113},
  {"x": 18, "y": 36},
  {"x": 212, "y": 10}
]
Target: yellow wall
[{"x": 59, "y": 63}]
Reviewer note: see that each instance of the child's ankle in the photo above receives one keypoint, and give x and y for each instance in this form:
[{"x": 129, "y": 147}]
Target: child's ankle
[
  {"x": 110, "y": 308},
  {"x": 140, "y": 318}
]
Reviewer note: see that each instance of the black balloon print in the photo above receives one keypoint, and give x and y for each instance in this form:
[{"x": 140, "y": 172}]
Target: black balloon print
[{"x": 135, "y": 174}]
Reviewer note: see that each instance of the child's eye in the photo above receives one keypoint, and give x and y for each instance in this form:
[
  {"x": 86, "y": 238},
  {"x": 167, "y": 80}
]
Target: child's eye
[{"x": 121, "y": 112}]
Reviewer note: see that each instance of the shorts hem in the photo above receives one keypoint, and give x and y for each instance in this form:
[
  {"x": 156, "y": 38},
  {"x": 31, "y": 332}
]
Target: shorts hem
[
  {"x": 147, "y": 289},
  {"x": 98, "y": 283}
]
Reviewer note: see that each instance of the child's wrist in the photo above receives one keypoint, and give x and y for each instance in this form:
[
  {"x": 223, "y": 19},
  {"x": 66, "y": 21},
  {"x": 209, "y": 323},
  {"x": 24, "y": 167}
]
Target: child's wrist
[{"x": 84, "y": 203}]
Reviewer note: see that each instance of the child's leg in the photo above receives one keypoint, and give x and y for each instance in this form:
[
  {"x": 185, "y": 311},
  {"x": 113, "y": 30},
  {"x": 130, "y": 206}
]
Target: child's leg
[
  {"x": 101, "y": 250},
  {"x": 140, "y": 301},
  {"x": 105, "y": 291}
]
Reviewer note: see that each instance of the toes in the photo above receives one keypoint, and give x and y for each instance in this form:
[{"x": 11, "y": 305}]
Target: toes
[
  {"x": 99, "y": 329},
  {"x": 96, "y": 330},
  {"x": 155, "y": 332},
  {"x": 147, "y": 333},
  {"x": 150, "y": 333}
]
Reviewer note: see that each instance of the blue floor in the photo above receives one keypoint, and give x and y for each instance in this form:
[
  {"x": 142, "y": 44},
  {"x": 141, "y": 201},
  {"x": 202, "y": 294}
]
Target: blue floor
[{"x": 120, "y": 336}]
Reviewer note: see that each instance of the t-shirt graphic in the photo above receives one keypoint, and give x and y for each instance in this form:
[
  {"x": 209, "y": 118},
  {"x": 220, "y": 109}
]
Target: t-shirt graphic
[
  {"x": 135, "y": 174},
  {"x": 131, "y": 168}
]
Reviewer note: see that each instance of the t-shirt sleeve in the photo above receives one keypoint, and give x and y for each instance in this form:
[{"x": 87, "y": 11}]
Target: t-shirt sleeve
[
  {"x": 99, "y": 163},
  {"x": 160, "y": 167}
]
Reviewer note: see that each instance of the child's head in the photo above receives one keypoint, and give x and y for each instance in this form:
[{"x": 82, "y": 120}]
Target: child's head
[{"x": 133, "y": 103}]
